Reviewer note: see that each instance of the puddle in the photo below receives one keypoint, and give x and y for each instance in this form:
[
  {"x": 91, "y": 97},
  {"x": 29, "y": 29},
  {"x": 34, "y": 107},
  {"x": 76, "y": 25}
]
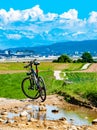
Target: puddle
[
  {"x": 71, "y": 116},
  {"x": 76, "y": 117}
]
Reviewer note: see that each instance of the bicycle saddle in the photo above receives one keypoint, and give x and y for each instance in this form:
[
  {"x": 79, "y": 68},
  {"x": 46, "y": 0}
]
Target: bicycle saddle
[{"x": 36, "y": 63}]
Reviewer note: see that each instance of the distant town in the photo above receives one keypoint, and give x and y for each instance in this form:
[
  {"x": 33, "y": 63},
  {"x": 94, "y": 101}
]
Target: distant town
[{"x": 23, "y": 56}]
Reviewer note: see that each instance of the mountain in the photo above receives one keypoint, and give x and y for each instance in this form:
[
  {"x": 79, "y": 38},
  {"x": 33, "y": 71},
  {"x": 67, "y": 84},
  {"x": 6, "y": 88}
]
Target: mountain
[{"x": 59, "y": 48}]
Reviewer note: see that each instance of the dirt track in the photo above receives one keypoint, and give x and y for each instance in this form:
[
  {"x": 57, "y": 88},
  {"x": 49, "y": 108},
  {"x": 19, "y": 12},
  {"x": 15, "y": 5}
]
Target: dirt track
[{"x": 92, "y": 68}]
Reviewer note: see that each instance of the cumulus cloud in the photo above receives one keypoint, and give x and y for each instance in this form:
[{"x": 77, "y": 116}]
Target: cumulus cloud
[
  {"x": 10, "y": 16},
  {"x": 33, "y": 23},
  {"x": 71, "y": 14}
]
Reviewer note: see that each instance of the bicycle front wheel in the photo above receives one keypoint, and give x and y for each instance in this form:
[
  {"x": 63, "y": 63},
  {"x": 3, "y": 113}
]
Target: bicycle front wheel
[
  {"x": 29, "y": 89},
  {"x": 42, "y": 88}
]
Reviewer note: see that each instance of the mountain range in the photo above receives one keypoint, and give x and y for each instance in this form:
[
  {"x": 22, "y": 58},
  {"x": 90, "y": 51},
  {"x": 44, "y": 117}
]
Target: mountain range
[{"x": 70, "y": 48}]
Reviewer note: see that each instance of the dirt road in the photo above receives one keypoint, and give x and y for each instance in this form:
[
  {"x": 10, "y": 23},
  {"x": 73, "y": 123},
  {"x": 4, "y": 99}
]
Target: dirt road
[{"x": 92, "y": 68}]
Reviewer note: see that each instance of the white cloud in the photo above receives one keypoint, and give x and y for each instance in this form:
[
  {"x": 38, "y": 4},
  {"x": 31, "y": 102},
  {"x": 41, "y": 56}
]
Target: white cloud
[
  {"x": 17, "y": 15},
  {"x": 93, "y": 17},
  {"x": 49, "y": 17},
  {"x": 71, "y": 14},
  {"x": 32, "y": 22},
  {"x": 10, "y": 16},
  {"x": 78, "y": 33},
  {"x": 32, "y": 14},
  {"x": 13, "y": 36}
]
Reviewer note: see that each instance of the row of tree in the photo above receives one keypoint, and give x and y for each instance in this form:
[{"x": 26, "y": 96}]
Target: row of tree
[{"x": 85, "y": 58}]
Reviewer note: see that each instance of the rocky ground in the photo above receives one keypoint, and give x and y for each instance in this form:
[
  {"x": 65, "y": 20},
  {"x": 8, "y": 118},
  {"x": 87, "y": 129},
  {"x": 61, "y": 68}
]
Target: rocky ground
[{"x": 23, "y": 107}]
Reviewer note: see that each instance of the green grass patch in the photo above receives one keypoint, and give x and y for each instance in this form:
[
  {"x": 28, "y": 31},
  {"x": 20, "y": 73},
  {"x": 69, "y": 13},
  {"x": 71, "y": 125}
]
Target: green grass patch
[
  {"x": 84, "y": 85},
  {"x": 73, "y": 66},
  {"x": 44, "y": 66},
  {"x": 10, "y": 84},
  {"x": 11, "y": 66}
]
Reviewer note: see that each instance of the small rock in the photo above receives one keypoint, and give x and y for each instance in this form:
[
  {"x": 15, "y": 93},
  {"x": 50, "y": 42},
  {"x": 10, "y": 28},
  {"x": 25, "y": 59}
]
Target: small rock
[
  {"x": 1, "y": 120},
  {"x": 55, "y": 111},
  {"x": 4, "y": 113},
  {"x": 94, "y": 122},
  {"x": 32, "y": 119},
  {"x": 62, "y": 119},
  {"x": 42, "y": 108},
  {"x": 28, "y": 107},
  {"x": 24, "y": 113}
]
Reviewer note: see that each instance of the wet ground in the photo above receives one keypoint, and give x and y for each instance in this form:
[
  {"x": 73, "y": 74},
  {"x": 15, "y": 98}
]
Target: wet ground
[{"x": 53, "y": 114}]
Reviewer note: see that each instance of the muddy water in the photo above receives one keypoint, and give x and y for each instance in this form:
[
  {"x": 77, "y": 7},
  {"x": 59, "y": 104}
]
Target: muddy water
[{"x": 76, "y": 116}]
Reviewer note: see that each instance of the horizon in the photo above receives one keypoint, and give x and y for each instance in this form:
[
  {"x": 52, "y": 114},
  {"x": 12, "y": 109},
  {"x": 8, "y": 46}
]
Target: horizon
[{"x": 41, "y": 22}]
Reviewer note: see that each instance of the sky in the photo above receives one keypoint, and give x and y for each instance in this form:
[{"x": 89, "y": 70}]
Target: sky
[{"x": 44, "y": 22}]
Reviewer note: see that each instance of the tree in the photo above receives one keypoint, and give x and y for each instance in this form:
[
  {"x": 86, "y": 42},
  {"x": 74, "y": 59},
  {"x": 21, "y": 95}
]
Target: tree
[
  {"x": 63, "y": 58},
  {"x": 86, "y": 57}
]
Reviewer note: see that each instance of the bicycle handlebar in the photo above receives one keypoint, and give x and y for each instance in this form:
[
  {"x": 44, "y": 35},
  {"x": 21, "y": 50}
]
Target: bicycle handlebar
[{"x": 30, "y": 64}]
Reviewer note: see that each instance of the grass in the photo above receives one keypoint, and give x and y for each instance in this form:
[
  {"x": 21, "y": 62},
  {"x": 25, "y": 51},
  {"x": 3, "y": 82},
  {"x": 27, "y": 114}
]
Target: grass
[
  {"x": 84, "y": 85},
  {"x": 44, "y": 66},
  {"x": 10, "y": 84},
  {"x": 74, "y": 66},
  {"x": 11, "y": 66}
]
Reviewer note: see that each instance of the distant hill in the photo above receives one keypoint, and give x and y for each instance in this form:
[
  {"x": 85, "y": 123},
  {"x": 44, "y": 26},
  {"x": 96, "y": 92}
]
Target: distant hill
[{"x": 70, "y": 48}]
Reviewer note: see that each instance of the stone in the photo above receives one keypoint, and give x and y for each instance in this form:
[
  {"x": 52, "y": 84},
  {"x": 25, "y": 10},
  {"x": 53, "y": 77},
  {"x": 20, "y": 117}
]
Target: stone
[
  {"x": 55, "y": 111},
  {"x": 28, "y": 107},
  {"x": 1, "y": 120},
  {"x": 24, "y": 113},
  {"x": 94, "y": 122},
  {"x": 62, "y": 119},
  {"x": 42, "y": 108}
]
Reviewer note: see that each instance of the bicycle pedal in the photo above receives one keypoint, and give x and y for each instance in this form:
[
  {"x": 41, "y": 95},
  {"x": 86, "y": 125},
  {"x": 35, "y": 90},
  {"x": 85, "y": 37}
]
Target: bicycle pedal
[{"x": 39, "y": 88}]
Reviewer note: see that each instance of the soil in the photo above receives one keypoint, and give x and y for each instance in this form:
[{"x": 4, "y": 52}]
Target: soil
[{"x": 7, "y": 105}]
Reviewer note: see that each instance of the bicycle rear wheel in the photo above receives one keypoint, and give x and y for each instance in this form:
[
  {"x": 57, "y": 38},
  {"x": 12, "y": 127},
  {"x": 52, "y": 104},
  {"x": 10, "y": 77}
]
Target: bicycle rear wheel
[
  {"x": 42, "y": 89},
  {"x": 29, "y": 88}
]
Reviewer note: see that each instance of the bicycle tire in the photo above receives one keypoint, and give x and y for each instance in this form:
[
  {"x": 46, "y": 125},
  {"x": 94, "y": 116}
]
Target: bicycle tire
[
  {"x": 28, "y": 92},
  {"x": 42, "y": 88}
]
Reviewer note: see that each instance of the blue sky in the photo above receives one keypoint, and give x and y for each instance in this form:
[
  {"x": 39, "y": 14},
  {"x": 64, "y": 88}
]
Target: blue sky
[{"x": 43, "y": 22}]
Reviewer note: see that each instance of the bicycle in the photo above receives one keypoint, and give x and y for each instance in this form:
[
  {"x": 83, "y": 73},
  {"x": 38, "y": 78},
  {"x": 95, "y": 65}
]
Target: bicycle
[{"x": 33, "y": 86}]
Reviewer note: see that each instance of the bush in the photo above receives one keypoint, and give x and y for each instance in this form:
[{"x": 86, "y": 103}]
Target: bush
[
  {"x": 63, "y": 59},
  {"x": 86, "y": 57}
]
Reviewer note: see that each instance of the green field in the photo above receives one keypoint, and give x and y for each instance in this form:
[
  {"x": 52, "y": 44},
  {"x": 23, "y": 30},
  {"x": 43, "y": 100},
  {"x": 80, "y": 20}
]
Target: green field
[
  {"x": 43, "y": 66},
  {"x": 10, "y": 84},
  {"x": 83, "y": 85}
]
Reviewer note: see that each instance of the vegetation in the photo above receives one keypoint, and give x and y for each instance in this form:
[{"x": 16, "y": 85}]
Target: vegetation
[
  {"x": 63, "y": 58},
  {"x": 10, "y": 84},
  {"x": 85, "y": 58},
  {"x": 44, "y": 66},
  {"x": 82, "y": 85}
]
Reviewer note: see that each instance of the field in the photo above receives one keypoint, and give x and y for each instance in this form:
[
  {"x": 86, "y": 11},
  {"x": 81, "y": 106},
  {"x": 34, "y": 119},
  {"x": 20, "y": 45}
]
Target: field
[{"x": 83, "y": 84}]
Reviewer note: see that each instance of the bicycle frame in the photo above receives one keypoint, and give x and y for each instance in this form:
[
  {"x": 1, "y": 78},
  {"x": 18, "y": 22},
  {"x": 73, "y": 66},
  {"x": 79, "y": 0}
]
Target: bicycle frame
[{"x": 34, "y": 74}]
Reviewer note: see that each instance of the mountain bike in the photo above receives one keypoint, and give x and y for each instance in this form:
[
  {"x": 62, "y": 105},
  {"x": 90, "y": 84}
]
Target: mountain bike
[{"x": 33, "y": 86}]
